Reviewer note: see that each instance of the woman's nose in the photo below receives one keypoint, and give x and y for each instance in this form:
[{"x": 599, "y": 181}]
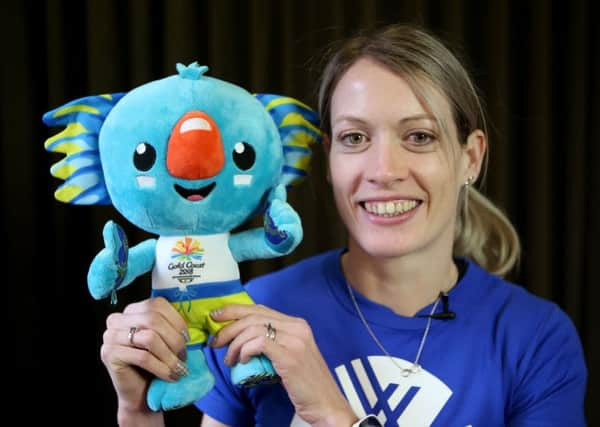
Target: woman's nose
[{"x": 388, "y": 161}]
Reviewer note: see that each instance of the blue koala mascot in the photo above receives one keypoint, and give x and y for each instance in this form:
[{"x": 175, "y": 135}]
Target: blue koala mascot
[{"x": 187, "y": 158}]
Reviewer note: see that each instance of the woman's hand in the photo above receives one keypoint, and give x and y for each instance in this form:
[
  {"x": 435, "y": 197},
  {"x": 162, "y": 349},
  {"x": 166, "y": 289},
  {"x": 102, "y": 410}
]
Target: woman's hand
[
  {"x": 150, "y": 335},
  {"x": 294, "y": 355}
]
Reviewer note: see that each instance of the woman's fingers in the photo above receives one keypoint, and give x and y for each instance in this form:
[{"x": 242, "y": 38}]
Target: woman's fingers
[
  {"x": 239, "y": 311},
  {"x": 251, "y": 341},
  {"x": 245, "y": 316},
  {"x": 119, "y": 357},
  {"x": 151, "y": 315},
  {"x": 259, "y": 330},
  {"x": 277, "y": 350},
  {"x": 135, "y": 327},
  {"x": 151, "y": 352},
  {"x": 146, "y": 335},
  {"x": 162, "y": 306}
]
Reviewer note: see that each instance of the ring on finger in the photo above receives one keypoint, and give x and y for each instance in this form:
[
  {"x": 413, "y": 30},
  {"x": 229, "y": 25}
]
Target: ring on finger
[
  {"x": 271, "y": 332},
  {"x": 131, "y": 334}
]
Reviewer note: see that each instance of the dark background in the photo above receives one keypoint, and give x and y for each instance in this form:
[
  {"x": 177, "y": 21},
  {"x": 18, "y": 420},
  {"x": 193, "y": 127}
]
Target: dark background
[{"x": 536, "y": 62}]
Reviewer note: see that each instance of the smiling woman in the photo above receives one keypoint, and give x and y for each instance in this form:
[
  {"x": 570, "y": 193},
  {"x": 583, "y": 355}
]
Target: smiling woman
[
  {"x": 438, "y": 337},
  {"x": 392, "y": 158}
]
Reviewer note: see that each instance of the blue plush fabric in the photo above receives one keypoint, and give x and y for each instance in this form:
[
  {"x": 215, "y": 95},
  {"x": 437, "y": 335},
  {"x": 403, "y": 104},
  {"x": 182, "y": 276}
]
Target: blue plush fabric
[{"x": 188, "y": 158}]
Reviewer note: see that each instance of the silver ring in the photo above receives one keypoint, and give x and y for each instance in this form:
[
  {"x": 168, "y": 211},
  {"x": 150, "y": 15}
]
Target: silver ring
[
  {"x": 271, "y": 332},
  {"x": 130, "y": 335}
]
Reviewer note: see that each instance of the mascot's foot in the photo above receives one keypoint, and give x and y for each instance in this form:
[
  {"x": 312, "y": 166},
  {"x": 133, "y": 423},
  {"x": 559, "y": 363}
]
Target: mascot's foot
[
  {"x": 257, "y": 371},
  {"x": 163, "y": 395}
]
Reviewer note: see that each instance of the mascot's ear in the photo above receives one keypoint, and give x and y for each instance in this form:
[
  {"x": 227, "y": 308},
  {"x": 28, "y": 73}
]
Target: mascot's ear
[
  {"x": 298, "y": 127},
  {"x": 80, "y": 168}
]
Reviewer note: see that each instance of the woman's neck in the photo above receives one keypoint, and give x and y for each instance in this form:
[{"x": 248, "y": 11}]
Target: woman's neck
[{"x": 404, "y": 284}]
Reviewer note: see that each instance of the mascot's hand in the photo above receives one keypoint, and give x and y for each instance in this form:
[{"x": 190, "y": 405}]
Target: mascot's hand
[
  {"x": 108, "y": 268},
  {"x": 283, "y": 228}
]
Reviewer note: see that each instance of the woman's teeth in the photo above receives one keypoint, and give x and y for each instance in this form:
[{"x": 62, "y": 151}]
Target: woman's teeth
[{"x": 390, "y": 208}]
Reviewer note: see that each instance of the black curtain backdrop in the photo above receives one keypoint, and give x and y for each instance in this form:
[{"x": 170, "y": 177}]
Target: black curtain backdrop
[{"x": 536, "y": 62}]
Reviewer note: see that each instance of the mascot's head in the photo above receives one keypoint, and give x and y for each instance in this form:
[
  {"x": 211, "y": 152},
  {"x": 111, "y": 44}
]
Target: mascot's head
[{"x": 181, "y": 155}]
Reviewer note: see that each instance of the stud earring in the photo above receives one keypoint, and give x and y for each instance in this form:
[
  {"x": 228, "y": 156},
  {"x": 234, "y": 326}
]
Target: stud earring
[{"x": 467, "y": 194}]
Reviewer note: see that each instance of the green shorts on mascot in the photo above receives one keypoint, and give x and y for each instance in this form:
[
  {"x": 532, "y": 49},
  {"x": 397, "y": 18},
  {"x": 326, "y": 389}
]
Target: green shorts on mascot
[{"x": 187, "y": 158}]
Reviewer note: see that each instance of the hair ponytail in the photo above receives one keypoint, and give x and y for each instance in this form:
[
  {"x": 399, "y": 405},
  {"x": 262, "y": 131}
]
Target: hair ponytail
[{"x": 485, "y": 235}]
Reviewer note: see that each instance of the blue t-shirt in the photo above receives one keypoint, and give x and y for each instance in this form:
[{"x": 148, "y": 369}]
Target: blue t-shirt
[{"x": 509, "y": 358}]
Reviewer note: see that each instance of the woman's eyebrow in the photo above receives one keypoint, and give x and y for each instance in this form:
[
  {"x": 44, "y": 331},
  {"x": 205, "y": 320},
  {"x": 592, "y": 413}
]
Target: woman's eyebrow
[
  {"x": 418, "y": 117},
  {"x": 349, "y": 118}
]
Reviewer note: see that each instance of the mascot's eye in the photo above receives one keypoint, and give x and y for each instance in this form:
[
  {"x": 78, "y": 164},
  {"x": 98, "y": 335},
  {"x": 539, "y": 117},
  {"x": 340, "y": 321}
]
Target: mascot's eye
[
  {"x": 243, "y": 155},
  {"x": 144, "y": 157}
]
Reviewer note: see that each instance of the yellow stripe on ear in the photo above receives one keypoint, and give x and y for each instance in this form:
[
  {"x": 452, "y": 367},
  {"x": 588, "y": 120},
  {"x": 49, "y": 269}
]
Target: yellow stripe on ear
[
  {"x": 303, "y": 163},
  {"x": 64, "y": 172},
  {"x": 300, "y": 139},
  {"x": 67, "y": 193},
  {"x": 298, "y": 119},
  {"x": 76, "y": 109},
  {"x": 72, "y": 130},
  {"x": 68, "y": 147},
  {"x": 285, "y": 100}
]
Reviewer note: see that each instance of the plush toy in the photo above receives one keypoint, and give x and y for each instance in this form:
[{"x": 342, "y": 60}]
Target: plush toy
[{"x": 188, "y": 158}]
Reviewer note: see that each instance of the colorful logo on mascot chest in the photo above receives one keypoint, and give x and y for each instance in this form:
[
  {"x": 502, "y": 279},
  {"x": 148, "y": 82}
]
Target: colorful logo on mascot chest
[{"x": 186, "y": 258}]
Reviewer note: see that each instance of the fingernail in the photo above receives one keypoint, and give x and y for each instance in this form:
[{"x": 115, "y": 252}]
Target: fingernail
[
  {"x": 181, "y": 369},
  {"x": 216, "y": 313},
  {"x": 186, "y": 335},
  {"x": 182, "y": 355},
  {"x": 173, "y": 376},
  {"x": 213, "y": 341}
]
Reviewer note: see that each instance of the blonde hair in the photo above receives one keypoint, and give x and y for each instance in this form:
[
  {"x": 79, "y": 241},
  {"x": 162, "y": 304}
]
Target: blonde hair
[{"x": 483, "y": 233}]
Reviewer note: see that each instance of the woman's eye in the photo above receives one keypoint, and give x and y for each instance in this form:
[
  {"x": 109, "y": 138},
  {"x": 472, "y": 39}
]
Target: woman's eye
[
  {"x": 421, "y": 138},
  {"x": 353, "y": 138}
]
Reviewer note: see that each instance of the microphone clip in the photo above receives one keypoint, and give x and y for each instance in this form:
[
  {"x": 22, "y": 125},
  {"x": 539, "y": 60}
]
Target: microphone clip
[{"x": 445, "y": 314}]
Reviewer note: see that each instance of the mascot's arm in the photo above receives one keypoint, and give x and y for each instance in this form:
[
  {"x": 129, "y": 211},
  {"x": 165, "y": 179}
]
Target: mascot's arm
[
  {"x": 117, "y": 265},
  {"x": 280, "y": 235}
]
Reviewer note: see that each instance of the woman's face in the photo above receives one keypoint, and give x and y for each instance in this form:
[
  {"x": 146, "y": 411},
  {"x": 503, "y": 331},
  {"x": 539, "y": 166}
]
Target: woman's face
[{"x": 395, "y": 176}]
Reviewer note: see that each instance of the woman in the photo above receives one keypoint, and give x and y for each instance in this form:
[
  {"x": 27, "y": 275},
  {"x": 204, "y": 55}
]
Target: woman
[{"x": 411, "y": 322}]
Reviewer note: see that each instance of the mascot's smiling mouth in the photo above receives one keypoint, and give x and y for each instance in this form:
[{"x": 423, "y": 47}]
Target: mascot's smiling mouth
[{"x": 196, "y": 194}]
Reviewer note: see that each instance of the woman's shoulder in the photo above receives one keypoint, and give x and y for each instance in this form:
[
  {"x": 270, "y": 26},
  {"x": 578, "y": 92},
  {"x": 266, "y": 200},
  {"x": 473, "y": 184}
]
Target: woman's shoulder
[
  {"x": 538, "y": 347},
  {"x": 512, "y": 305},
  {"x": 483, "y": 284}
]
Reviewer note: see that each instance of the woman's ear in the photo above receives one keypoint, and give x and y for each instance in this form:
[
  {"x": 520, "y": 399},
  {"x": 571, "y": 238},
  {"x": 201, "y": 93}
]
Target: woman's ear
[
  {"x": 326, "y": 148},
  {"x": 474, "y": 155}
]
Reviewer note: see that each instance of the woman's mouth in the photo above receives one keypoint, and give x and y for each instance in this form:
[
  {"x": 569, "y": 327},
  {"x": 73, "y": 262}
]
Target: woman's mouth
[{"x": 390, "y": 208}]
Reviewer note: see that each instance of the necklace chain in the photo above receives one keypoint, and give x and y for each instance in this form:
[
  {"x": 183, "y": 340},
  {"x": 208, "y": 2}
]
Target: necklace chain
[{"x": 405, "y": 372}]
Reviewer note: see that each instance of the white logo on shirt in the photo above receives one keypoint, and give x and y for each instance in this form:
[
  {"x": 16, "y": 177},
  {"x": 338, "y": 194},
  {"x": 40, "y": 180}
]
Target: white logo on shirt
[{"x": 379, "y": 388}]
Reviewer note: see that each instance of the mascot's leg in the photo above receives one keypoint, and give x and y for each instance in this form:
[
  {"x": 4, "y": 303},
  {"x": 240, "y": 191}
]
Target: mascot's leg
[
  {"x": 258, "y": 370},
  {"x": 164, "y": 395}
]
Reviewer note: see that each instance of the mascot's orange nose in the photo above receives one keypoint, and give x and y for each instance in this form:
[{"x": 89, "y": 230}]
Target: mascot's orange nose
[{"x": 195, "y": 149}]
